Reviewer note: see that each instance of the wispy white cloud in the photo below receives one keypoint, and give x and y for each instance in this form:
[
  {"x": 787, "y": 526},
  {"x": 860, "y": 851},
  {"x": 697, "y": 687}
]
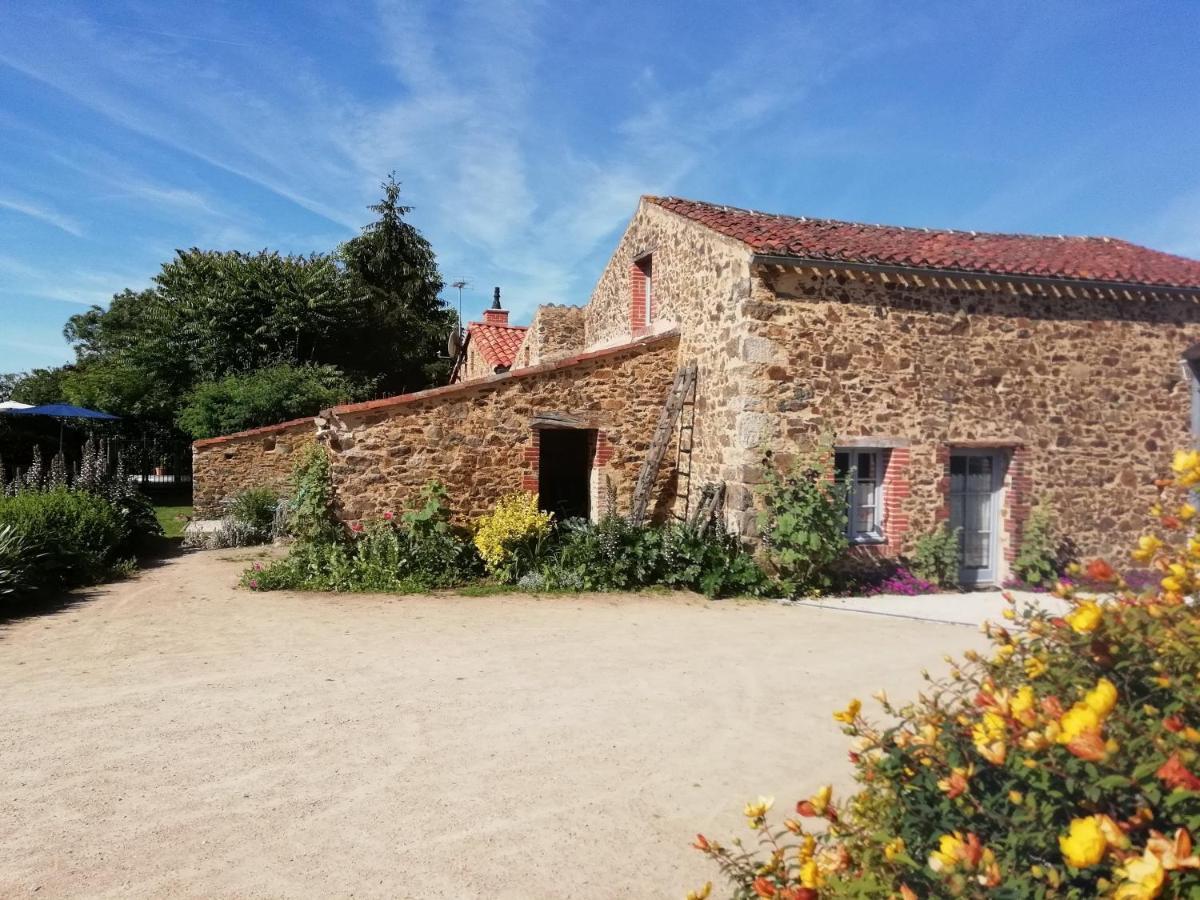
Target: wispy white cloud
[
  {"x": 25, "y": 281},
  {"x": 42, "y": 213},
  {"x": 470, "y": 123}
]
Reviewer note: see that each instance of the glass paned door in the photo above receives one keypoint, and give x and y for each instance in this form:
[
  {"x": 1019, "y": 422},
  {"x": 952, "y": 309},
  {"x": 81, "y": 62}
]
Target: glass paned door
[{"x": 975, "y": 480}]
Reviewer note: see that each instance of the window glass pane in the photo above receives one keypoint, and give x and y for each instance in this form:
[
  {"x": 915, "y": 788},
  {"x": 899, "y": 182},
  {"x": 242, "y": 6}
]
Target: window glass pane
[
  {"x": 866, "y": 466},
  {"x": 864, "y": 521},
  {"x": 841, "y": 466},
  {"x": 975, "y": 550}
]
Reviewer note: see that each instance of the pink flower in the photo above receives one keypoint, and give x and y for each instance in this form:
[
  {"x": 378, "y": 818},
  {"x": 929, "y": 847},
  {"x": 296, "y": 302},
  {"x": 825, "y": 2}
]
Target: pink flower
[
  {"x": 258, "y": 567},
  {"x": 254, "y": 584},
  {"x": 387, "y": 516},
  {"x": 356, "y": 527}
]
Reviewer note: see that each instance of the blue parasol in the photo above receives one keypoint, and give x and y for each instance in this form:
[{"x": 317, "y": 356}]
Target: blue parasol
[{"x": 61, "y": 411}]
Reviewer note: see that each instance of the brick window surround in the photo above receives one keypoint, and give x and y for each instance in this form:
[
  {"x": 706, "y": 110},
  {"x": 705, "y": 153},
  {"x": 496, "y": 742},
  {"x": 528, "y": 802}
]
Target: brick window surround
[
  {"x": 641, "y": 294},
  {"x": 896, "y": 490},
  {"x": 601, "y": 453}
]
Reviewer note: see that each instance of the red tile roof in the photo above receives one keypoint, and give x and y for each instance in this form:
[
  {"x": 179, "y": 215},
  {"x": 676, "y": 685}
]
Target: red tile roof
[
  {"x": 497, "y": 343},
  {"x": 1069, "y": 258}
]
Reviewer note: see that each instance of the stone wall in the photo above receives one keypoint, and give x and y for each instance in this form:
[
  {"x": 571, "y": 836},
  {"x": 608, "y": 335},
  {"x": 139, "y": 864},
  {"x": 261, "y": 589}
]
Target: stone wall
[
  {"x": 222, "y": 467},
  {"x": 1086, "y": 393},
  {"x": 477, "y": 438},
  {"x": 475, "y": 364},
  {"x": 555, "y": 332},
  {"x": 700, "y": 281}
]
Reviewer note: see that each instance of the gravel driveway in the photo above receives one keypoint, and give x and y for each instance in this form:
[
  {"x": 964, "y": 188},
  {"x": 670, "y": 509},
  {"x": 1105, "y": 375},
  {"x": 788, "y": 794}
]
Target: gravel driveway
[{"x": 173, "y": 735}]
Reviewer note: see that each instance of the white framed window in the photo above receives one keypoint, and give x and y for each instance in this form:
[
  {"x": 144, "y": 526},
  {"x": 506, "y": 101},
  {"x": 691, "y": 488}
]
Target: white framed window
[{"x": 861, "y": 472}]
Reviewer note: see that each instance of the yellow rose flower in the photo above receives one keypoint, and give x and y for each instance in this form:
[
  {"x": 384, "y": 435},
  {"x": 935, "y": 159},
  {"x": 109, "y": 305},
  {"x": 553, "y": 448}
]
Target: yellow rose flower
[
  {"x": 1022, "y": 704},
  {"x": 820, "y": 800},
  {"x": 1186, "y": 512},
  {"x": 1112, "y": 832},
  {"x": 893, "y": 848},
  {"x": 756, "y": 810},
  {"x": 1086, "y": 617},
  {"x": 947, "y": 854},
  {"x": 701, "y": 893},
  {"x": 1035, "y": 667},
  {"x": 810, "y": 875},
  {"x": 988, "y": 735},
  {"x": 1102, "y": 698},
  {"x": 1077, "y": 720},
  {"x": 1084, "y": 843},
  {"x": 850, "y": 713},
  {"x": 1143, "y": 878},
  {"x": 1186, "y": 466},
  {"x": 807, "y": 848},
  {"x": 1147, "y": 546}
]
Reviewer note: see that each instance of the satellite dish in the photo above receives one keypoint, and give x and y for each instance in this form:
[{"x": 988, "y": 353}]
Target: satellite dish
[{"x": 454, "y": 343}]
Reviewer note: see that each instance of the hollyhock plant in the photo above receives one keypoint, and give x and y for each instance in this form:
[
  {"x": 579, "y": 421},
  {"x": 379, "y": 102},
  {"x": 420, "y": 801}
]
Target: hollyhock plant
[{"x": 1063, "y": 763}]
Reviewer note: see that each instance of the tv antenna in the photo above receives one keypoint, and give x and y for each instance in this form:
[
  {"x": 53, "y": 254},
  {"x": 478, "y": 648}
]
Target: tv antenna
[
  {"x": 454, "y": 344},
  {"x": 460, "y": 284}
]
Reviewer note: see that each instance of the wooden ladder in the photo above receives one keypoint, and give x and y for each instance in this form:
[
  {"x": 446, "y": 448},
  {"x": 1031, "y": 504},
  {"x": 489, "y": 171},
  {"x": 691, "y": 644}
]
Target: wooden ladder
[{"x": 681, "y": 390}]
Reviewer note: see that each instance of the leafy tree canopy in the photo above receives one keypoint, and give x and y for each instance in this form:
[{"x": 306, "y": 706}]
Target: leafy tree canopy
[
  {"x": 276, "y": 393},
  {"x": 367, "y": 314}
]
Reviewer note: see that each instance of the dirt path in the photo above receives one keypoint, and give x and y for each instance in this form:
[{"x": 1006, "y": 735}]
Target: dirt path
[{"x": 176, "y": 736}]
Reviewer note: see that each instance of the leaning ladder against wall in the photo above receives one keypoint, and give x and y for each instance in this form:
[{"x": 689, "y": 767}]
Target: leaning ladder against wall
[{"x": 681, "y": 393}]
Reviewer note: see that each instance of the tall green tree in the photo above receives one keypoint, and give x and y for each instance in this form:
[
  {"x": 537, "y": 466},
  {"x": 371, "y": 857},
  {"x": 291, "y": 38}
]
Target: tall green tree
[
  {"x": 370, "y": 309},
  {"x": 399, "y": 323}
]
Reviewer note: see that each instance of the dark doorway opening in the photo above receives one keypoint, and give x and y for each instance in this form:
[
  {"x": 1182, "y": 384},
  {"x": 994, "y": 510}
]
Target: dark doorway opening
[{"x": 564, "y": 472}]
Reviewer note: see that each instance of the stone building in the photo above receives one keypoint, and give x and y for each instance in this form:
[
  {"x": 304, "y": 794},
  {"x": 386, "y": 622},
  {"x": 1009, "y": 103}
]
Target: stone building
[
  {"x": 489, "y": 347},
  {"x": 957, "y": 376}
]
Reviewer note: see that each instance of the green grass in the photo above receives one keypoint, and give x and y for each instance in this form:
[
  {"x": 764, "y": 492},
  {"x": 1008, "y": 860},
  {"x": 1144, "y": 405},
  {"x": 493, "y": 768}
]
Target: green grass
[{"x": 169, "y": 518}]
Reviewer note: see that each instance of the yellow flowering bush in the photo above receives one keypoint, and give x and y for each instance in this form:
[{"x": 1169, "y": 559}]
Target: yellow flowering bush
[
  {"x": 1064, "y": 763},
  {"x": 511, "y": 534}
]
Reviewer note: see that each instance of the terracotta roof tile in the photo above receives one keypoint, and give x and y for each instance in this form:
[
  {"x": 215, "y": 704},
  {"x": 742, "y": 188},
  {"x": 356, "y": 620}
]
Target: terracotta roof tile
[
  {"x": 497, "y": 343},
  {"x": 1069, "y": 258}
]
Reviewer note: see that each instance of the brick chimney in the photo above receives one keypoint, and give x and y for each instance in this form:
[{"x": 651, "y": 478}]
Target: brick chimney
[{"x": 495, "y": 315}]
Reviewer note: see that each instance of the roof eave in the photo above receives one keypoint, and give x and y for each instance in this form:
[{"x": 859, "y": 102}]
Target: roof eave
[{"x": 894, "y": 269}]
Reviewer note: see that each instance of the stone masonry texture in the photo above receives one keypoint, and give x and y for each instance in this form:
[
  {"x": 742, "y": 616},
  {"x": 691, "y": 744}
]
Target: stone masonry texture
[
  {"x": 1081, "y": 388},
  {"x": 263, "y": 457},
  {"x": 477, "y": 437}
]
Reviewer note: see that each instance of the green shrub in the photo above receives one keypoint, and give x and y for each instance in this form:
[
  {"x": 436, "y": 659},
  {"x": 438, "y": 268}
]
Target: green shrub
[
  {"x": 437, "y": 553},
  {"x": 310, "y": 517},
  {"x": 710, "y": 560},
  {"x": 803, "y": 524},
  {"x": 512, "y": 537},
  {"x": 417, "y": 551},
  {"x": 613, "y": 555},
  {"x": 262, "y": 397},
  {"x": 255, "y": 508},
  {"x": 936, "y": 555},
  {"x": 18, "y": 562},
  {"x": 609, "y": 555},
  {"x": 1037, "y": 557},
  {"x": 80, "y": 536}
]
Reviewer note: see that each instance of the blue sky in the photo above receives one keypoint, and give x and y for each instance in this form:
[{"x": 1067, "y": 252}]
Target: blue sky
[{"x": 524, "y": 132}]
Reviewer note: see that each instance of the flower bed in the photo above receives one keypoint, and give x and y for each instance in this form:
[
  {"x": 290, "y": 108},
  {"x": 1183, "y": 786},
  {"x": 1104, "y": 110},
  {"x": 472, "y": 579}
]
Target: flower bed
[{"x": 1063, "y": 763}]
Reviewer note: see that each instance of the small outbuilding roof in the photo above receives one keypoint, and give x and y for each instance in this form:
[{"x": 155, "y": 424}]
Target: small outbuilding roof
[
  {"x": 497, "y": 343},
  {"x": 1097, "y": 259}
]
